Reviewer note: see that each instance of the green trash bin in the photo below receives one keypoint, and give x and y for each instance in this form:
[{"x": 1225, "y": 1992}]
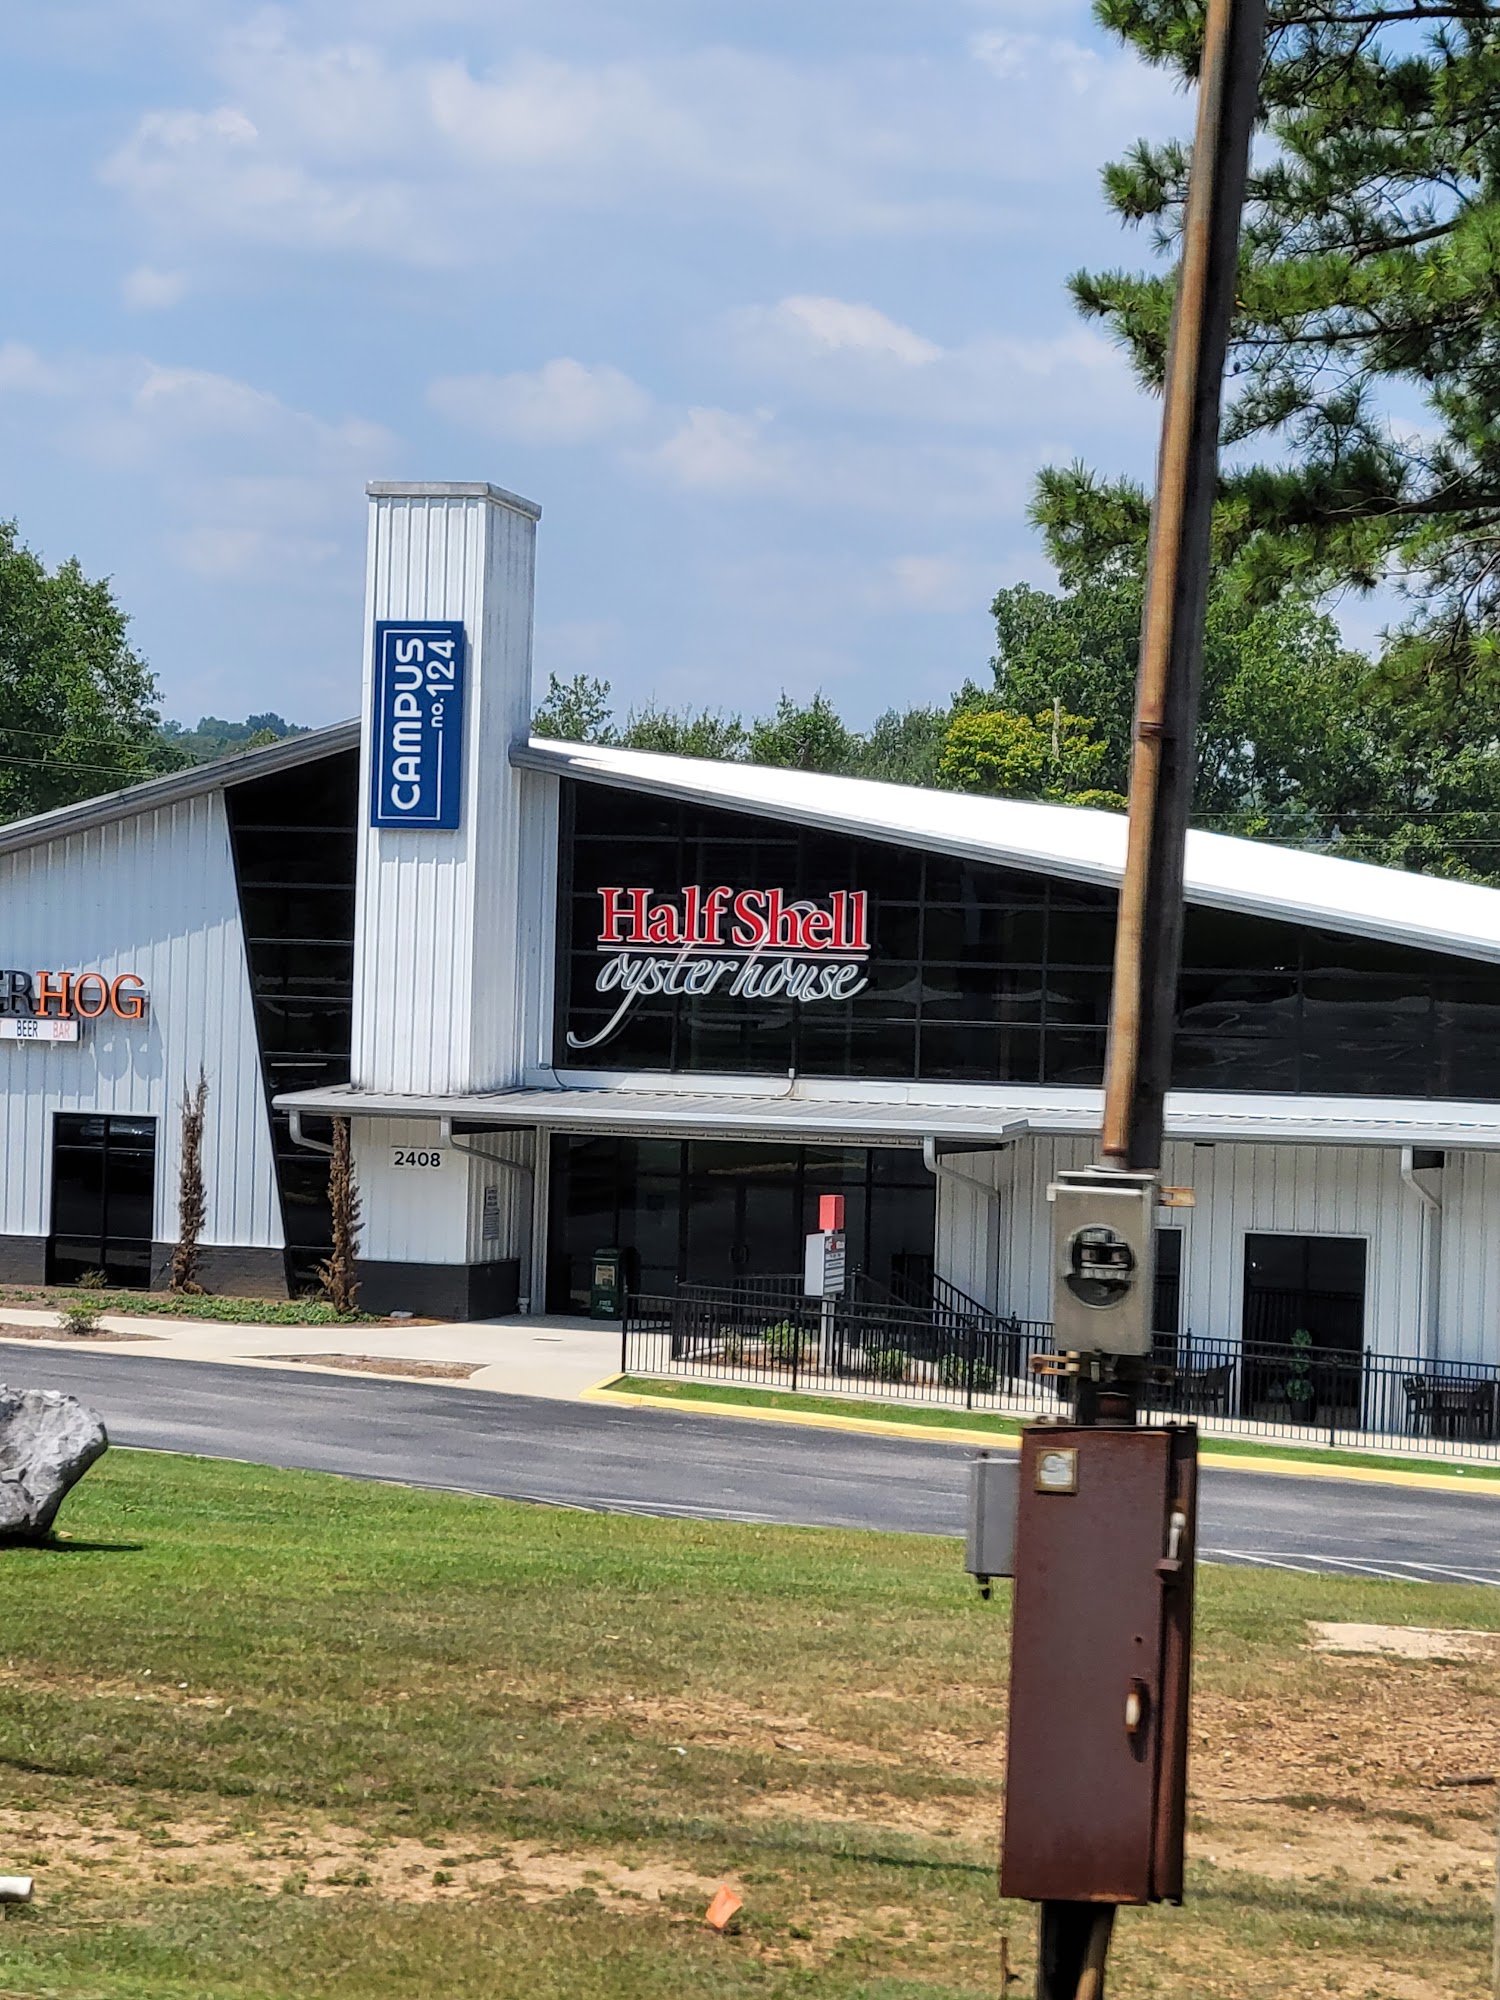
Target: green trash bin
[{"x": 606, "y": 1286}]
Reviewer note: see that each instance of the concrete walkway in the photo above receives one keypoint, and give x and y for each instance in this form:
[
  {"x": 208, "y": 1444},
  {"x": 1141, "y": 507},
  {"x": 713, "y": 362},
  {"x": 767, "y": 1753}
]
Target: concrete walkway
[{"x": 552, "y": 1356}]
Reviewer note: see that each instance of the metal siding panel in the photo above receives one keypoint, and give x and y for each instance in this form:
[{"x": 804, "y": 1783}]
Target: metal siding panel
[
  {"x": 411, "y": 1215},
  {"x": 154, "y": 895},
  {"x": 1298, "y": 1190},
  {"x": 436, "y": 989},
  {"x": 1469, "y": 1294}
]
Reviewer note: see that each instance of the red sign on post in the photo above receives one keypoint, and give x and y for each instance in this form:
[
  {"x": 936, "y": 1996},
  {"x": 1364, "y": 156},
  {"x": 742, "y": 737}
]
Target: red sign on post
[{"x": 830, "y": 1211}]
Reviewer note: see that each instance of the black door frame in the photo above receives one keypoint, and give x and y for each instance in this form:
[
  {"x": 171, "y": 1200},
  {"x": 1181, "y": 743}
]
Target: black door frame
[
  {"x": 132, "y": 1269},
  {"x": 1334, "y": 1297}
]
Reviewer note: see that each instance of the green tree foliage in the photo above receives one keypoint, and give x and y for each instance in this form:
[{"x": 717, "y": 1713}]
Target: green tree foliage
[
  {"x": 215, "y": 737},
  {"x": 807, "y": 738},
  {"x": 77, "y": 705},
  {"x": 905, "y": 746},
  {"x": 682, "y": 734},
  {"x": 1362, "y": 424},
  {"x": 1052, "y": 755},
  {"x": 1364, "y": 354},
  {"x": 575, "y": 711},
  {"x": 1283, "y": 731}
]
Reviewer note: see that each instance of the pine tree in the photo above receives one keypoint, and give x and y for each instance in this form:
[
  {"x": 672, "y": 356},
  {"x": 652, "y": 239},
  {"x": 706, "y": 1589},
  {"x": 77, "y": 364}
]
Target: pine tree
[
  {"x": 1365, "y": 363},
  {"x": 192, "y": 1199},
  {"x": 337, "y": 1271}
]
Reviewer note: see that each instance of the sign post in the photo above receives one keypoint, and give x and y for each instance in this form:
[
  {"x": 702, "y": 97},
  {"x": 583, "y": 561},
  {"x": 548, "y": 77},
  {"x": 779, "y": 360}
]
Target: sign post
[{"x": 824, "y": 1272}]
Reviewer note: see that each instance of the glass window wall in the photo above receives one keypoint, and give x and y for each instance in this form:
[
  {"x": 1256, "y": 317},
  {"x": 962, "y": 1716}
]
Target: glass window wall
[{"x": 977, "y": 973}]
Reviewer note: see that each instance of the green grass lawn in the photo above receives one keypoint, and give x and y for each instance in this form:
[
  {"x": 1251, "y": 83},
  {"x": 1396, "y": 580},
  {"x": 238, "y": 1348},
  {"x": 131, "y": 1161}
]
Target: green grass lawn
[{"x": 273, "y": 1734}]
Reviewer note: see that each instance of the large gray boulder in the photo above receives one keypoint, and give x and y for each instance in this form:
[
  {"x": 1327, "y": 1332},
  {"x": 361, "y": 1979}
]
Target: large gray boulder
[{"x": 48, "y": 1442}]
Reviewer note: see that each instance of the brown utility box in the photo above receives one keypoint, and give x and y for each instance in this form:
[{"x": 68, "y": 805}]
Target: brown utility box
[{"x": 1096, "y": 1772}]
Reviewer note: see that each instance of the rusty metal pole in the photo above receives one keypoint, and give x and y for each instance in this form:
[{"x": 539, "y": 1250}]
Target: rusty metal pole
[
  {"x": 1073, "y": 1940},
  {"x": 1148, "y": 941}
]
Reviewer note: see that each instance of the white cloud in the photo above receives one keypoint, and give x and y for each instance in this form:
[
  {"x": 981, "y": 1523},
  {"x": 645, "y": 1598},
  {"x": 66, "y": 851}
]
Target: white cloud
[
  {"x": 148, "y": 290},
  {"x": 842, "y": 356},
  {"x": 23, "y": 369},
  {"x": 234, "y": 481},
  {"x": 342, "y": 143},
  {"x": 718, "y": 451},
  {"x": 835, "y": 326},
  {"x": 563, "y": 402},
  {"x": 737, "y": 454},
  {"x": 1034, "y": 59}
]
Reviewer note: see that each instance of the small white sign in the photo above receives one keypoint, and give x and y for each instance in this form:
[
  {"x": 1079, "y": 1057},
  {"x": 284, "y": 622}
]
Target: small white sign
[
  {"x": 823, "y": 1270},
  {"x": 36, "y": 1028},
  {"x": 426, "y": 1157}
]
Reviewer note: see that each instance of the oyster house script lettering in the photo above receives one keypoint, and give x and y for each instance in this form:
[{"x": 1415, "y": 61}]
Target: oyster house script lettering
[{"x": 749, "y": 944}]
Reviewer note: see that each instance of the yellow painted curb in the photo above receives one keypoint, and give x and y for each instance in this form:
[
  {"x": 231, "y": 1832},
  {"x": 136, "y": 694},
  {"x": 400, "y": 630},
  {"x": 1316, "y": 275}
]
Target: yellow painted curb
[
  {"x": 818, "y": 1420},
  {"x": 1278, "y": 1468}
]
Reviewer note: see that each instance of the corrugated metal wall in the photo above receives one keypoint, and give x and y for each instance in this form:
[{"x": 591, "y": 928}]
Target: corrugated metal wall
[
  {"x": 1469, "y": 1257},
  {"x": 1240, "y": 1189},
  {"x": 154, "y": 895},
  {"x": 435, "y": 1215},
  {"x": 438, "y": 972},
  {"x": 539, "y": 794}
]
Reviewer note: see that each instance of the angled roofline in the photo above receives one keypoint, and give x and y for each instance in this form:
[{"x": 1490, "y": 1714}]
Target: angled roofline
[
  {"x": 152, "y": 793},
  {"x": 1077, "y": 843}
]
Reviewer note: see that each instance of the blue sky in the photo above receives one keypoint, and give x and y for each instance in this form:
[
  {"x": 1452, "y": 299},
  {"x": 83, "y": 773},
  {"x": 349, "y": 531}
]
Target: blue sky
[{"x": 762, "y": 302}]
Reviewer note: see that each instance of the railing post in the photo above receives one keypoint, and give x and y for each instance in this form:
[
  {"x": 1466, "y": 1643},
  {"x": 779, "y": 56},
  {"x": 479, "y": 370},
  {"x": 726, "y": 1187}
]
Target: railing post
[
  {"x": 970, "y": 1363},
  {"x": 625, "y": 1332}
]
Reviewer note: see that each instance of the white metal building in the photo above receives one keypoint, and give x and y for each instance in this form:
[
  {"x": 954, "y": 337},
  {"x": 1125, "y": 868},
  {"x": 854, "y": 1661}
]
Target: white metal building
[{"x": 575, "y": 998}]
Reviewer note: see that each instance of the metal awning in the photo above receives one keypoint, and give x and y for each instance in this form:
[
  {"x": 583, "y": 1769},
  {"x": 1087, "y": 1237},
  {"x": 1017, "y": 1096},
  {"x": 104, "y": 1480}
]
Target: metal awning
[{"x": 813, "y": 1115}]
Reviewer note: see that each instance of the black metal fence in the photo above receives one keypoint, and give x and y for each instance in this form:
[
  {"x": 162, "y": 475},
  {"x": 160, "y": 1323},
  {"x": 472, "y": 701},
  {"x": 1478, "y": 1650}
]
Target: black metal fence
[
  {"x": 779, "y": 1339},
  {"x": 766, "y": 1334},
  {"x": 1335, "y": 1395}
]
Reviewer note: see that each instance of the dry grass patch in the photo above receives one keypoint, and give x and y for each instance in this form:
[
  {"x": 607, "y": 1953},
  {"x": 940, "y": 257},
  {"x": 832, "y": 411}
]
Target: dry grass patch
[{"x": 269, "y": 1734}]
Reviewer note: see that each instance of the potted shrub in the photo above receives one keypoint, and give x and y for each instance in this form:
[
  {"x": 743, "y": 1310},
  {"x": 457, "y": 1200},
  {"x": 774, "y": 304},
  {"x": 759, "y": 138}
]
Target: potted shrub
[
  {"x": 954, "y": 1373},
  {"x": 887, "y": 1364},
  {"x": 1301, "y": 1392},
  {"x": 785, "y": 1344}
]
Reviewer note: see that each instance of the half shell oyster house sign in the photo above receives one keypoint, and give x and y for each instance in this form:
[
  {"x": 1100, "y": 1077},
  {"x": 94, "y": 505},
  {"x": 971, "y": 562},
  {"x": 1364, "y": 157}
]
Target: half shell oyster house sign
[{"x": 747, "y": 944}]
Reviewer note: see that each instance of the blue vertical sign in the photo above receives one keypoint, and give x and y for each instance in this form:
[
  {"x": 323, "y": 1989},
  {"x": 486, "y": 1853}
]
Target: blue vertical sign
[{"x": 417, "y": 716}]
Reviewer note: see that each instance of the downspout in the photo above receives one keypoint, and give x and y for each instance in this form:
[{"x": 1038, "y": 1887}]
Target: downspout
[
  {"x": 941, "y": 1171},
  {"x": 1432, "y": 1240},
  {"x": 300, "y": 1138},
  {"x": 448, "y": 1137}
]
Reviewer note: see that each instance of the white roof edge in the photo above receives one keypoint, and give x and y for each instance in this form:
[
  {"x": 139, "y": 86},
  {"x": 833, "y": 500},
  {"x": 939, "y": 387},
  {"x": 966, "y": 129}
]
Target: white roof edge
[
  {"x": 1223, "y": 871},
  {"x": 452, "y": 489},
  {"x": 238, "y": 768},
  {"x": 1191, "y": 1116}
]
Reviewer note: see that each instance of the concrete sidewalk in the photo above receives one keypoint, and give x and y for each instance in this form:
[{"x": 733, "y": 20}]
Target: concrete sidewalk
[{"x": 555, "y": 1355}]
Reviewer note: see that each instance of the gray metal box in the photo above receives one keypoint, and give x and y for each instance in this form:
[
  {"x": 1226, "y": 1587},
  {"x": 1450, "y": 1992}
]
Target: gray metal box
[
  {"x": 990, "y": 1549},
  {"x": 1103, "y": 1238}
]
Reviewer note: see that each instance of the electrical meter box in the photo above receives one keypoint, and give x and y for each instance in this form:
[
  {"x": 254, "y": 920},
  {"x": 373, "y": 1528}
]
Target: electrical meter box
[
  {"x": 1103, "y": 1238},
  {"x": 1096, "y": 1771}
]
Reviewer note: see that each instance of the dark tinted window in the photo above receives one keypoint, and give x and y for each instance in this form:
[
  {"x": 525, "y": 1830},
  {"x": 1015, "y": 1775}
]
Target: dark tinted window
[
  {"x": 293, "y": 837},
  {"x": 103, "y": 1199},
  {"x": 994, "y": 974}
]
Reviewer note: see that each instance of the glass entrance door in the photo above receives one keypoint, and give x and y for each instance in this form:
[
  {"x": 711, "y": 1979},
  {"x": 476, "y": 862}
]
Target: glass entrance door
[
  {"x": 719, "y": 1211},
  {"x": 103, "y": 1199},
  {"x": 1311, "y": 1283},
  {"x": 1304, "y": 1328}
]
